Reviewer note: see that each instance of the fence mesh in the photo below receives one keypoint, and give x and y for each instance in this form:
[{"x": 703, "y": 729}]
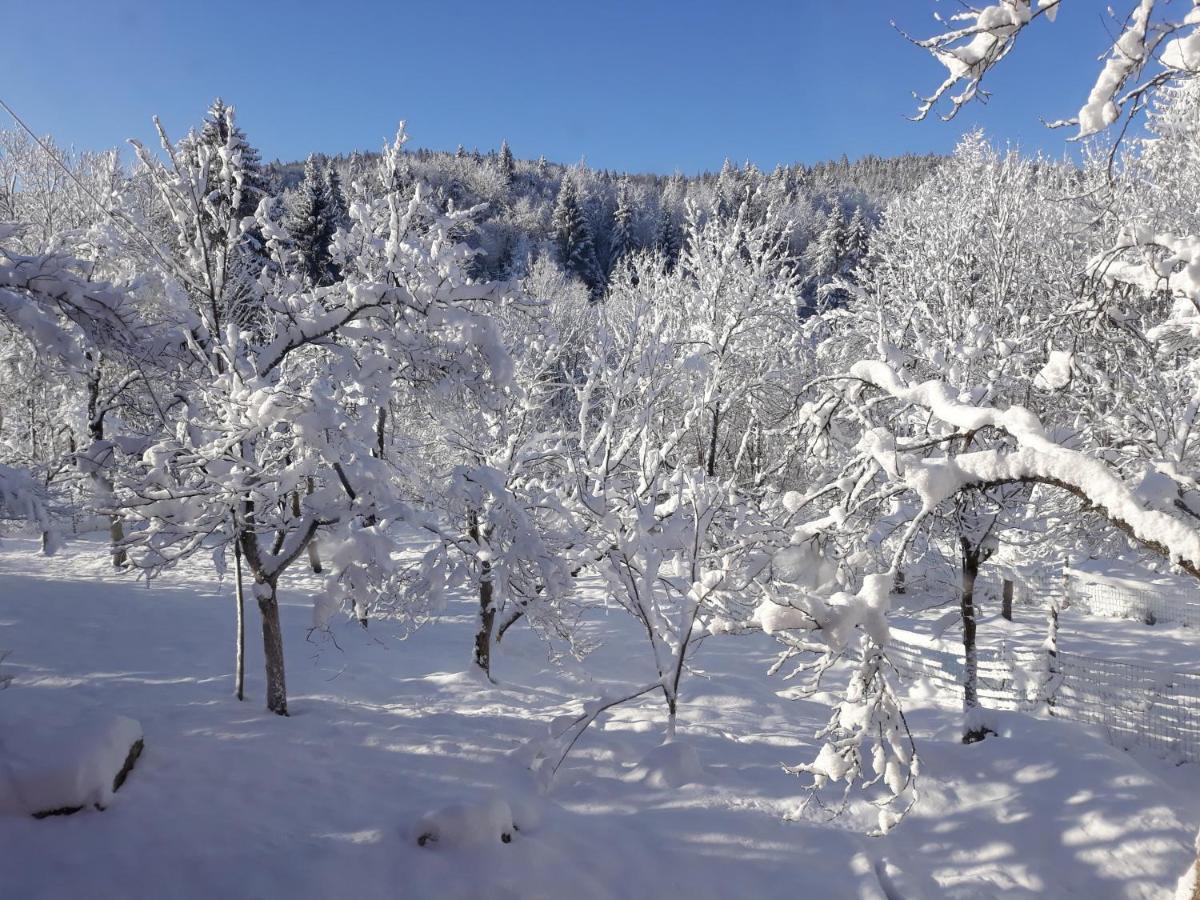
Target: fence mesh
[
  {"x": 1134, "y": 704},
  {"x": 1154, "y": 603}
]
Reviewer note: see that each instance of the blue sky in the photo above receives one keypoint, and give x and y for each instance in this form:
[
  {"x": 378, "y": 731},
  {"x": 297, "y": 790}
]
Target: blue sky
[{"x": 641, "y": 86}]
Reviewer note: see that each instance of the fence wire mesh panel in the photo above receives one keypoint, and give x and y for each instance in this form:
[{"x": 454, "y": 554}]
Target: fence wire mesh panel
[
  {"x": 1006, "y": 680},
  {"x": 1153, "y": 604},
  {"x": 1135, "y": 705}
]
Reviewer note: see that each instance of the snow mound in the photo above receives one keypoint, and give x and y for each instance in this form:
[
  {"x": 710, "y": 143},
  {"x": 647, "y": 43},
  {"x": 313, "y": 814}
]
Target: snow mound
[
  {"x": 467, "y": 824},
  {"x": 49, "y": 766},
  {"x": 670, "y": 765}
]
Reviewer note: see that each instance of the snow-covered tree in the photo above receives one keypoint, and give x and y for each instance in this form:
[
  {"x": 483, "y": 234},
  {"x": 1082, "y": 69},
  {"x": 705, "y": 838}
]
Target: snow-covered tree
[
  {"x": 312, "y": 218},
  {"x": 573, "y": 236},
  {"x": 272, "y": 446}
]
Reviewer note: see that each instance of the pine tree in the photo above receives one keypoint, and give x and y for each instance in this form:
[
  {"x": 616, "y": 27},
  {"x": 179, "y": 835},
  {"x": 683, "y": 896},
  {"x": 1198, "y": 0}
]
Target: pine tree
[
  {"x": 825, "y": 254},
  {"x": 220, "y": 131},
  {"x": 667, "y": 240},
  {"x": 729, "y": 189},
  {"x": 573, "y": 237},
  {"x": 855, "y": 243},
  {"x": 508, "y": 166},
  {"x": 310, "y": 223},
  {"x": 236, "y": 183},
  {"x": 339, "y": 210},
  {"x": 622, "y": 229}
]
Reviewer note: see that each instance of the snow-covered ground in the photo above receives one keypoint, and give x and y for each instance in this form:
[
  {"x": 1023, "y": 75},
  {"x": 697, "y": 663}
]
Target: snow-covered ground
[
  {"x": 230, "y": 801},
  {"x": 1106, "y": 637}
]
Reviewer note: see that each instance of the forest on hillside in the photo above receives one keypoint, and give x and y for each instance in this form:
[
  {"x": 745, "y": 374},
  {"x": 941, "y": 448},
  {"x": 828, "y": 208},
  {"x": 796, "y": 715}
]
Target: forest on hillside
[{"x": 667, "y": 447}]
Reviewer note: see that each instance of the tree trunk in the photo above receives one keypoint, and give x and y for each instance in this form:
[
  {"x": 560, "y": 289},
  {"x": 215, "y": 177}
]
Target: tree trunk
[
  {"x": 268, "y": 605},
  {"x": 239, "y": 675},
  {"x": 116, "y": 537},
  {"x": 712, "y": 442},
  {"x": 972, "y": 731},
  {"x": 487, "y": 620},
  {"x": 1007, "y": 600},
  {"x": 487, "y": 607},
  {"x": 314, "y": 557}
]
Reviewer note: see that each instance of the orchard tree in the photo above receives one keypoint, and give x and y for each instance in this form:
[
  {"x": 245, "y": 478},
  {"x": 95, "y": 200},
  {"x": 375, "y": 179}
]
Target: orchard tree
[{"x": 270, "y": 446}]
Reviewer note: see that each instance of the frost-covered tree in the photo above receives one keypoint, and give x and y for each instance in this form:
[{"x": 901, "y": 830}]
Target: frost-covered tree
[
  {"x": 312, "y": 218},
  {"x": 573, "y": 236},
  {"x": 271, "y": 446},
  {"x": 506, "y": 164},
  {"x": 623, "y": 240},
  {"x": 1013, "y": 444}
]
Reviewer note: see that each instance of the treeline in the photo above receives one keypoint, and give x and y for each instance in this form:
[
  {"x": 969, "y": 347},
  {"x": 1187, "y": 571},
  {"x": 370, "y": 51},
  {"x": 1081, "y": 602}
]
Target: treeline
[{"x": 584, "y": 221}]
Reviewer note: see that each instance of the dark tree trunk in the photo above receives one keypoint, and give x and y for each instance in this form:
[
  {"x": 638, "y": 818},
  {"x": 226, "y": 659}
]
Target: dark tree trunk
[
  {"x": 970, "y": 571},
  {"x": 380, "y": 431},
  {"x": 1006, "y": 600},
  {"x": 239, "y": 675},
  {"x": 487, "y": 620},
  {"x": 102, "y": 482},
  {"x": 487, "y": 608},
  {"x": 712, "y": 441},
  {"x": 314, "y": 555},
  {"x": 268, "y": 606}
]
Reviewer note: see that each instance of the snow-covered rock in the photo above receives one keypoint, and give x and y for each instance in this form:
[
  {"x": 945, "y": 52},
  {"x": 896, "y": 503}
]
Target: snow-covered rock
[
  {"x": 671, "y": 764},
  {"x": 63, "y": 764},
  {"x": 467, "y": 824}
]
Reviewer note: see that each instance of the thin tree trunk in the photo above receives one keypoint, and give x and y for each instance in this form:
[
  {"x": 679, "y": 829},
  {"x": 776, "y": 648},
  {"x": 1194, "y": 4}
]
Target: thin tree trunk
[
  {"x": 487, "y": 607},
  {"x": 239, "y": 674},
  {"x": 712, "y": 441},
  {"x": 314, "y": 555},
  {"x": 380, "y": 431},
  {"x": 268, "y": 606},
  {"x": 116, "y": 537},
  {"x": 972, "y": 731},
  {"x": 487, "y": 619},
  {"x": 1006, "y": 600}
]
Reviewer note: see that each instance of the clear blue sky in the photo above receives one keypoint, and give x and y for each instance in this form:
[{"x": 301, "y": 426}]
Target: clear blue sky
[{"x": 641, "y": 86}]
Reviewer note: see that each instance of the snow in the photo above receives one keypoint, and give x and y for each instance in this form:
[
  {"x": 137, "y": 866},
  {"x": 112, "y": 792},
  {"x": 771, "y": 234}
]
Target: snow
[
  {"x": 672, "y": 764},
  {"x": 1056, "y": 373},
  {"x": 467, "y": 824},
  {"x": 387, "y": 734},
  {"x": 49, "y": 762}
]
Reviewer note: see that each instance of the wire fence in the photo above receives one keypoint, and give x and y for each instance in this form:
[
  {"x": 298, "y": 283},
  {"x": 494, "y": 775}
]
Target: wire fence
[
  {"x": 1155, "y": 603},
  {"x": 1133, "y": 704}
]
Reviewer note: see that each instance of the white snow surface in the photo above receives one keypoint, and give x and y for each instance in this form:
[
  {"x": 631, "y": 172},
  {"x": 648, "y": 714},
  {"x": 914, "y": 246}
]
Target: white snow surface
[
  {"x": 388, "y": 737},
  {"x": 48, "y": 762}
]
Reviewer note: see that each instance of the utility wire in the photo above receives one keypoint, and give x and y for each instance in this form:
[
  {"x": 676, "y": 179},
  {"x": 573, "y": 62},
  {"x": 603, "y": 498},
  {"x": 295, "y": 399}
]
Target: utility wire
[{"x": 122, "y": 221}]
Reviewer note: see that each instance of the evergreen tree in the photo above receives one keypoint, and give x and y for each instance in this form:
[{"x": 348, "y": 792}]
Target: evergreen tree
[
  {"x": 622, "y": 229},
  {"x": 855, "y": 243},
  {"x": 220, "y": 131},
  {"x": 235, "y": 184},
  {"x": 667, "y": 239},
  {"x": 729, "y": 190},
  {"x": 573, "y": 236},
  {"x": 310, "y": 223},
  {"x": 339, "y": 210},
  {"x": 508, "y": 166},
  {"x": 825, "y": 254}
]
